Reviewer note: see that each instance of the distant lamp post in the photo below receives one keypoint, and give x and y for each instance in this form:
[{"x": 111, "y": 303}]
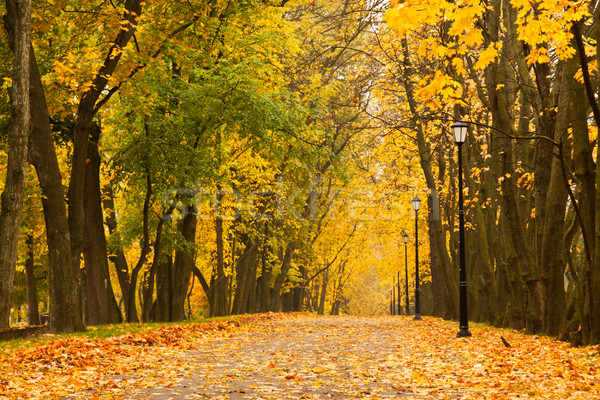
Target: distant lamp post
[
  {"x": 416, "y": 204},
  {"x": 393, "y": 298},
  {"x": 405, "y": 238},
  {"x": 399, "y": 306},
  {"x": 459, "y": 130}
]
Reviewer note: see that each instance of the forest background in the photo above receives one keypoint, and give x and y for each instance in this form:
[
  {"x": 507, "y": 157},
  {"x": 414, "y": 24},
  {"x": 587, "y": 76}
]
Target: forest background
[{"x": 167, "y": 159}]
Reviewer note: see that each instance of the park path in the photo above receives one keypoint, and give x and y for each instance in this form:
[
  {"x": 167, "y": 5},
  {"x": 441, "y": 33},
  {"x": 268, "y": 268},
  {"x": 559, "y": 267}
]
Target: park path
[{"x": 302, "y": 356}]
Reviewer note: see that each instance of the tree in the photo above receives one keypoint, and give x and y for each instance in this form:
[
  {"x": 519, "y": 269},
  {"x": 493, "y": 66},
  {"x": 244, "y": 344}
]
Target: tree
[{"x": 18, "y": 21}]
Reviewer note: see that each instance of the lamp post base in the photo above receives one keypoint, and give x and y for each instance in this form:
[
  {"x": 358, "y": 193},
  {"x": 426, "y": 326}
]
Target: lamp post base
[
  {"x": 464, "y": 332},
  {"x": 417, "y": 317}
]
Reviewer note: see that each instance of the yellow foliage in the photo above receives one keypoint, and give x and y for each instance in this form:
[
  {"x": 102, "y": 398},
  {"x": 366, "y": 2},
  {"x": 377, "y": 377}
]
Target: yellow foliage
[
  {"x": 459, "y": 67},
  {"x": 440, "y": 85},
  {"x": 487, "y": 56},
  {"x": 543, "y": 23}
]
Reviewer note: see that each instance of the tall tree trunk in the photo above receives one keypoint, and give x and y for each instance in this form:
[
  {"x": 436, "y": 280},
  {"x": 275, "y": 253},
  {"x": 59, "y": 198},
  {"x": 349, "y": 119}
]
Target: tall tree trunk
[
  {"x": 33, "y": 313},
  {"x": 220, "y": 283},
  {"x": 100, "y": 305},
  {"x": 64, "y": 307},
  {"x": 588, "y": 181},
  {"x": 552, "y": 256},
  {"x": 145, "y": 250},
  {"x": 286, "y": 264},
  {"x": 263, "y": 284},
  {"x": 437, "y": 281},
  {"x": 164, "y": 289},
  {"x": 482, "y": 258},
  {"x": 246, "y": 266},
  {"x": 87, "y": 109},
  {"x": 118, "y": 258},
  {"x": 513, "y": 213},
  {"x": 324, "y": 282},
  {"x": 182, "y": 268},
  {"x": 19, "y": 11},
  {"x": 450, "y": 278},
  {"x": 241, "y": 272},
  {"x": 300, "y": 292},
  {"x": 148, "y": 301}
]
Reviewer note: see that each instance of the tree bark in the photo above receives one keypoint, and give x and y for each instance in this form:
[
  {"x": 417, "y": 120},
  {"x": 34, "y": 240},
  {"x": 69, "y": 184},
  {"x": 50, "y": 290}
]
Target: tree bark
[
  {"x": 85, "y": 114},
  {"x": 246, "y": 285},
  {"x": 100, "y": 304},
  {"x": 19, "y": 28},
  {"x": 263, "y": 284},
  {"x": 164, "y": 289},
  {"x": 117, "y": 257},
  {"x": 322, "y": 298},
  {"x": 182, "y": 268},
  {"x": 33, "y": 313},
  {"x": 64, "y": 308},
  {"x": 219, "y": 287},
  {"x": 552, "y": 256},
  {"x": 286, "y": 264}
]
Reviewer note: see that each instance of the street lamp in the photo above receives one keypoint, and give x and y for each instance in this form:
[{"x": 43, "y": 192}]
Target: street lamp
[
  {"x": 393, "y": 298},
  {"x": 459, "y": 130},
  {"x": 416, "y": 203},
  {"x": 399, "y": 307},
  {"x": 405, "y": 238}
]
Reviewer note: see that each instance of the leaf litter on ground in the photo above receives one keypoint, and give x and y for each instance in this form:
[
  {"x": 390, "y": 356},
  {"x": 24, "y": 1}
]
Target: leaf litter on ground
[{"x": 302, "y": 356}]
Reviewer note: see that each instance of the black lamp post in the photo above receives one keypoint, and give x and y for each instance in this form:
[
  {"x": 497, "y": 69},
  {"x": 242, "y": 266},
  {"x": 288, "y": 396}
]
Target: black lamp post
[
  {"x": 405, "y": 238},
  {"x": 399, "y": 306},
  {"x": 459, "y": 130},
  {"x": 393, "y": 298},
  {"x": 416, "y": 203}
]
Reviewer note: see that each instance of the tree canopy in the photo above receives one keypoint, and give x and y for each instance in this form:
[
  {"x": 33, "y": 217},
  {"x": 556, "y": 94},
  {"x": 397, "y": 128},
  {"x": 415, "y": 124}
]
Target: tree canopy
[{"x": 225, "y": 157}]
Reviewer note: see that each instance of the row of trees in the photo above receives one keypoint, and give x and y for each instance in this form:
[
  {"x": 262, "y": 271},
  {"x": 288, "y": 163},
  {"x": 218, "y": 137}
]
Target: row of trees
[
  {"x": 265, "y": 153},
  {"x": 211, "y": 145},
  {"x": 524, "y": 75}
]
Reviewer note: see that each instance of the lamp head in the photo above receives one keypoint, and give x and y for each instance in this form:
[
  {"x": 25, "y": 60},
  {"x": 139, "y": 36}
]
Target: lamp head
[
  {"x": 416, "y": 203},
  {"x": 459, "y": 130},
  {"x": 405, "y": 238}
]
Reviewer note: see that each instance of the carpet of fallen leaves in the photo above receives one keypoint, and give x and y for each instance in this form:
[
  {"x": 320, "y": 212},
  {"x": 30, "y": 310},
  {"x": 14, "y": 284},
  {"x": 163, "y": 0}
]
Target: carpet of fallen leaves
[{"x": 301, "y": 356}]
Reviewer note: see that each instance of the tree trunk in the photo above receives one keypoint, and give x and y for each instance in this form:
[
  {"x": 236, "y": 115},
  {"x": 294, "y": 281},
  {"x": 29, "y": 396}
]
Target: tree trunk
[
  {"x": 64, "y": 307},
  {"x": 182, "y": 268},
  {"x": 437, "y": 282},
  {"x": 324, "y": 282},
  {"x": 552, "y": 257},
  {"x": 241, "y": 272},
  {"x": 286, "y": 264},
  {"x": 246, "y": 266},
  {"x": 33, "y": 313},
  {"x": 100, "y": 305},
  {"x": 148, "y": 301},
  {"x": 301, "y": 291},
  {"x": 118, "y": 258},
  {"x": 220, "y": 283},
  {"x": 19, "y": 12},
  {"x": 263, "y": 285},
  {"x": 164, "y": 290},
  {"x": 450, "y": 277},
  {"x": 145, "y": 250},
  {"x": 86, "y": 111}
]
